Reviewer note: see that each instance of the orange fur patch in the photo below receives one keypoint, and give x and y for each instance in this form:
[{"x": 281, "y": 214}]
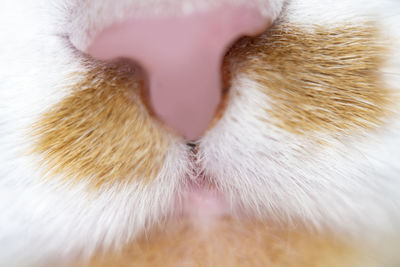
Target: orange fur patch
[
  {"x": 102, "y": 132},
  {"x": 324, "y": 80},
  {"x": 232, "y": 243},
  {"x": 319, "y": 80}
]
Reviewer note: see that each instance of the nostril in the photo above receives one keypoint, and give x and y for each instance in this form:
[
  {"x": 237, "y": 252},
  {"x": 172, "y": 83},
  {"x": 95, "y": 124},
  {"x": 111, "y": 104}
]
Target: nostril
[{"x": 183, "y": 58}]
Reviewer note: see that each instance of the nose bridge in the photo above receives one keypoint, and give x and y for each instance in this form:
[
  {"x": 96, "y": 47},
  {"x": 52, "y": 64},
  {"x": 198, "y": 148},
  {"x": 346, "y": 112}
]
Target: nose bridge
[{"x": 182, "y": 56}]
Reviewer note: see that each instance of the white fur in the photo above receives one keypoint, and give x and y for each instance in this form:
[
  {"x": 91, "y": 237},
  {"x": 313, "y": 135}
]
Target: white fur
[
  {"x": 341, "y": 184},
  {"x": 352, "y": 186},
  {"x": 41, "y": 221}
]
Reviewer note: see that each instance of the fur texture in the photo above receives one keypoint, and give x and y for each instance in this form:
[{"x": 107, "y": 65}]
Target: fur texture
[
  {"x": 343, "y": 183},
  {"x": 233, "y": 243}
]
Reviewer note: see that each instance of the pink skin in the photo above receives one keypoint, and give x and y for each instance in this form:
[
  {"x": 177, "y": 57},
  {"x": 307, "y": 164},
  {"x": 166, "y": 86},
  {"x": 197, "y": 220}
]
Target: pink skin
[
  {"x": 204, "y": 205},
  {"x": 182, "y": 56}
]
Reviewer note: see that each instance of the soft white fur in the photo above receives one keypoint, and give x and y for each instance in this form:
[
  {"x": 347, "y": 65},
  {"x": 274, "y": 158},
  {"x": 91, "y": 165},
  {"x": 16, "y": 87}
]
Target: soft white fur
[
  {"x": 347, "y": 182},
  {"x": 351, "y": 186}
]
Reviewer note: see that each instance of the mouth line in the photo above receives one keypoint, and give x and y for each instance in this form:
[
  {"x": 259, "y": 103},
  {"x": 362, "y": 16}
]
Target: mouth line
[
  {"x": 197, "y": 180},
  {"x": 201, "y": 199}
]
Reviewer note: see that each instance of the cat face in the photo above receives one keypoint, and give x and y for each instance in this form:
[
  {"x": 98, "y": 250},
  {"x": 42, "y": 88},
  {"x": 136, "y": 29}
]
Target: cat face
[{"x": 306, "y": 133}]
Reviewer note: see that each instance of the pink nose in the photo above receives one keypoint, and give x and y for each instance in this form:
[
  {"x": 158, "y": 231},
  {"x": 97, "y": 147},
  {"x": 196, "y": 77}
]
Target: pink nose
[{"x": 182, "y": 56}]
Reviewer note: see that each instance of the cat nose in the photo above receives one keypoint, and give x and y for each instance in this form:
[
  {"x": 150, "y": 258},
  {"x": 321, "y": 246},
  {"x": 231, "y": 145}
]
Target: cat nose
[{"x": 182, "y": 56}]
